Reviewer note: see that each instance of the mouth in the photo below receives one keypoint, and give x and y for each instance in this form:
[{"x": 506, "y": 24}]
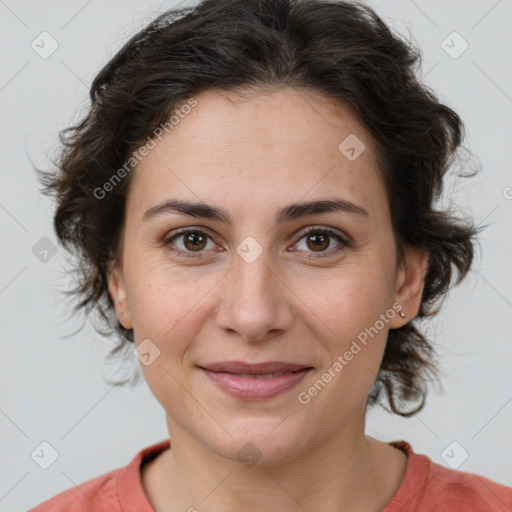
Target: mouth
[{"x": 255, "y": 381}]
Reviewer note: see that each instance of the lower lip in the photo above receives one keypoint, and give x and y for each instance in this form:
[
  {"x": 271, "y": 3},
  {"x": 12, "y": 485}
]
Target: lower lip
[{"x": 253, "y": 388}]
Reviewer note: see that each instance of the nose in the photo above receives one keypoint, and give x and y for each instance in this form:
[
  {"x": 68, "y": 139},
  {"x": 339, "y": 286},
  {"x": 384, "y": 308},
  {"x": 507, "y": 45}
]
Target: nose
[{"x": 255, "y": 300}]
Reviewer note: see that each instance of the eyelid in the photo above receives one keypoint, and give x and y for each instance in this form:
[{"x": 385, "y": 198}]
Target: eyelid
[
  {"x": 327, "y": 229},
  {"x": 180, "y": 231},
  {"x": 344, "y": 241},
  {"x": 176, "y": 233}
]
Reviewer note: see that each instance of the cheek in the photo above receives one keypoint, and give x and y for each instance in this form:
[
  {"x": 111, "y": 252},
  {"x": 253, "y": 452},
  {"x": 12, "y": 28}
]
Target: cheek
[
  {"x": 165, "y": 311},
  {"x": 352, "y": 327},
  {"x": 349, "y": 315},
  {"x": 349, "y": 301},
  {"x": 164, "y": 300},
  {"x": 169, "y": 308}
]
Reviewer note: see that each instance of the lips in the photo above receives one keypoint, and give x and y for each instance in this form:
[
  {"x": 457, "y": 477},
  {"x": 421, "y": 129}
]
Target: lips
[
  {"x": 255, "y": 381},
  {"x": 266, "y": 368}
]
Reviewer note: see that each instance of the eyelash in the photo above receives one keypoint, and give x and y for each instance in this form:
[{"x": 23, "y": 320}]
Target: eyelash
[{"x": 314, "y": 229}]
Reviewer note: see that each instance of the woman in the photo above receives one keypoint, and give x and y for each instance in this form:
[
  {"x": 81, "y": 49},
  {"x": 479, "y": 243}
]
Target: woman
[{"x": 252, "y": 197}]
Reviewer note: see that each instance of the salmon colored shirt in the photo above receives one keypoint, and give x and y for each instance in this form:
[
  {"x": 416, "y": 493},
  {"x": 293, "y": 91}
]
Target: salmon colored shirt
[{"x": 426, "y": 487}]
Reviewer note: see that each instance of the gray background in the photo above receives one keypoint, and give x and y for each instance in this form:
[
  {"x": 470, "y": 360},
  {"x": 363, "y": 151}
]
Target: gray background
[{"x": 53, "y": 390}]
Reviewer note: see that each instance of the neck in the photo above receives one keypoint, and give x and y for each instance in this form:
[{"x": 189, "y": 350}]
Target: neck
[{"x": 343, "y": 473}]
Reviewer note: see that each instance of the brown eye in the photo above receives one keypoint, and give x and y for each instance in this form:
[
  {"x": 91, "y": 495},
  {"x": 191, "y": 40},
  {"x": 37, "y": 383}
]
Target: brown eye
[
  {"x": 194, "y": 241},
  {"x": 319, "y": 239},
  {"x": 189, "y": 243}
]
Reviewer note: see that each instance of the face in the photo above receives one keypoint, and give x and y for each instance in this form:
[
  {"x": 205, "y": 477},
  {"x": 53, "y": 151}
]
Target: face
[{"x": 303, "y": 287}]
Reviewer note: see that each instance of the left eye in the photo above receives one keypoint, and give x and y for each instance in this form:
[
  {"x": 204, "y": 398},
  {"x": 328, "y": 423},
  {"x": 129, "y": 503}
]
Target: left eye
[{"x": 320, "y": 238}]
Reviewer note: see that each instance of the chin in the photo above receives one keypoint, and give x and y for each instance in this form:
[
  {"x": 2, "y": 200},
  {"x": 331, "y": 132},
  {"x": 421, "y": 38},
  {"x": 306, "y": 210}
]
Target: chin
[{"x": 260, "y": 442}]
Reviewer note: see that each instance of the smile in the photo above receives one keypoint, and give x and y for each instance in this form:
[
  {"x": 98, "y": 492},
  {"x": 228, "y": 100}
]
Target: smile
[{"x": 254, "y": 387}]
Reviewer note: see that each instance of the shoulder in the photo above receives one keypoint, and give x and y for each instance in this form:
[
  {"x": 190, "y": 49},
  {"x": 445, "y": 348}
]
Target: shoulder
[
  {"x": 99, "y": 493},
  {"x": 432, "y": 487},
  {"x": 460, "y": 490},
  {"x": 115, "y": 491}
]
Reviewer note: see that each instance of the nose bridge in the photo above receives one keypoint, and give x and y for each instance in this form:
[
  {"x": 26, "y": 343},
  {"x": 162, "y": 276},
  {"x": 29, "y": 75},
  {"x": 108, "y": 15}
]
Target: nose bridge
[
  {"x": 252, "y": 276},
  {"x": 253, "y": 302}
]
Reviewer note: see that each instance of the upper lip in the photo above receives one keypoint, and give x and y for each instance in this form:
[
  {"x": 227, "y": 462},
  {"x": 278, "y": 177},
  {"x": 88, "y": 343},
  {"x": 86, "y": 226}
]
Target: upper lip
[{"x": 254, "y": 368}]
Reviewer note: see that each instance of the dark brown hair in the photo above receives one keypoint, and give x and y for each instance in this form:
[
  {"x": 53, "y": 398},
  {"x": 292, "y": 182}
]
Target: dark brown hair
[{"x": 342, "y": 50}]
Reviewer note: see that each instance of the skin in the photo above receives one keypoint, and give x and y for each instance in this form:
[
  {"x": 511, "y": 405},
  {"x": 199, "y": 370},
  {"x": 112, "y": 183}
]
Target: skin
[{"x": 253, "y": 156}]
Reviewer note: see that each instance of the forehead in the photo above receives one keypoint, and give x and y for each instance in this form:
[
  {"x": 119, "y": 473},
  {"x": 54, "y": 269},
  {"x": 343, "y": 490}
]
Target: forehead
[{"x": 276, "y": 146}]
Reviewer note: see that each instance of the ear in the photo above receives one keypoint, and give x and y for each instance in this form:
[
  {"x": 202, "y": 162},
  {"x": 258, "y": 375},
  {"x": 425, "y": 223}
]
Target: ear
[
  {"x": 117, "y": 289},
  {"x": 410, "y": 282}
]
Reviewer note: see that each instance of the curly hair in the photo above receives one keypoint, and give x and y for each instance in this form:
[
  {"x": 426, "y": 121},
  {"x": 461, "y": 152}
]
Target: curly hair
[{"x": 342, "y": 50}]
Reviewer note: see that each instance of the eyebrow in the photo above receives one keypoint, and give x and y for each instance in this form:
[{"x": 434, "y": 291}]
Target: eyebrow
[{"x": 285, "y": 214}]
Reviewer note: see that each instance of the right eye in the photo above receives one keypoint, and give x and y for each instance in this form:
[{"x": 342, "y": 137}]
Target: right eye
[{"x": 193, "y": 242}]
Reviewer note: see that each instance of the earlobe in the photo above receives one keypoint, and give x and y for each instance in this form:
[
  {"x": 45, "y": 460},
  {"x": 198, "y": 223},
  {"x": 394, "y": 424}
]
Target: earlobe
[
  {"x": 409, "y": 286},
  {"x": 117, "y": 290}
]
